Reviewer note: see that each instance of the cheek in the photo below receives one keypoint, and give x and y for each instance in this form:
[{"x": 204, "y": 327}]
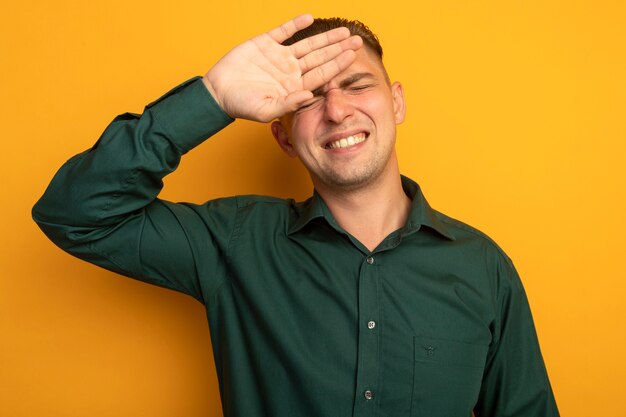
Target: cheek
[
  {"x": 381, "y": 114},
  {"x": 304, "y": 127},
  {"x": 377, "y": 106}
]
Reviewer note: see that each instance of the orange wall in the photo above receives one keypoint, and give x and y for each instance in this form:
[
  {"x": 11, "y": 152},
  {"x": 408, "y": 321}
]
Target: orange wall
[{"x": 515, "y": 124}]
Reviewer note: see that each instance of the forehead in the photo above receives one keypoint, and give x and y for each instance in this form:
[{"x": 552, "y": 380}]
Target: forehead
[{"x": 366, "y": 62}]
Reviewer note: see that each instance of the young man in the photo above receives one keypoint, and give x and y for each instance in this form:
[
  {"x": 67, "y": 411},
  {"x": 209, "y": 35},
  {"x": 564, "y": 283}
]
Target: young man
[{"x": 359, "y": 301}]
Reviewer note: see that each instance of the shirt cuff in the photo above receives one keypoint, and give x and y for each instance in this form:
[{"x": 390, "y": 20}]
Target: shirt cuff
[{"x": 189, "y": 114}]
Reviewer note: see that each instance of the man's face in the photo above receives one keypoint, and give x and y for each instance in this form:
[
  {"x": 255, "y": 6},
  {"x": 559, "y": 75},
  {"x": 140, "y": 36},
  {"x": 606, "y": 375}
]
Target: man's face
[{"x": 345, "y": 135}]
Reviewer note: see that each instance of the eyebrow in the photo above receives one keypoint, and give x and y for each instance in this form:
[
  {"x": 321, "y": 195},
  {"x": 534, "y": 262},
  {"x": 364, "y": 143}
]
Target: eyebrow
[{"x": 345, "y": 82}]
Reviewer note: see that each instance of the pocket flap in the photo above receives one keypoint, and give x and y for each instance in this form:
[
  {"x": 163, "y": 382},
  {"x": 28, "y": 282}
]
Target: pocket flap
[{"x": 449, "y": 352}]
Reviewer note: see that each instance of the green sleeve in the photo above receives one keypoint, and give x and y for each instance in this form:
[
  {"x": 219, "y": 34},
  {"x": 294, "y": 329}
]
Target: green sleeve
[
  {"x": 102, "y": 204},
  {"x": 515, "y": 381}
]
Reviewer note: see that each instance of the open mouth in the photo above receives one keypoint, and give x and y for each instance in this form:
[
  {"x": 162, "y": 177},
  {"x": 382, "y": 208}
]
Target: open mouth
[{"x": 347, "y": 141}]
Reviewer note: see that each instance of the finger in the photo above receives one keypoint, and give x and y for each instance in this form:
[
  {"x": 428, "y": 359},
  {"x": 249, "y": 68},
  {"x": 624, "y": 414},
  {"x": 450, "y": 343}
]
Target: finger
[
  {"x": 328, "y": 53},
  {"x": 322, "y": 74},
  {"x": 294, "y": 100},
  {"x": 312, "y": 43},
  {"x": 278, "y": 107},
  {"x": 287, "y": 29}
]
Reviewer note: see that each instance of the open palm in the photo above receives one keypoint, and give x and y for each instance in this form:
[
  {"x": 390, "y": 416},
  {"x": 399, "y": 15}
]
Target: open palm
[{"x": 261, "y": 79}]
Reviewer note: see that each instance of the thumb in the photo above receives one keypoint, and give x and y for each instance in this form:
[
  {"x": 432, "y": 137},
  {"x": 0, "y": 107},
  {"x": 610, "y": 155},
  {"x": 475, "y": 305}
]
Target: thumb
[{"x": 296, "y": 99}]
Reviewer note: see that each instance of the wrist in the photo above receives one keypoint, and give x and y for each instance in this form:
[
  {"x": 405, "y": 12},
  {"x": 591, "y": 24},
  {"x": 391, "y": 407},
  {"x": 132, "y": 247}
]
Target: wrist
[{"x": 211, "y": 90}]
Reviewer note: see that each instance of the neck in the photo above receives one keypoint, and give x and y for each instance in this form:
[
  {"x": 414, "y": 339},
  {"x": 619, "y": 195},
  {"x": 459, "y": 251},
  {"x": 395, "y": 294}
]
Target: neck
[{"x": 372, "y": 212}]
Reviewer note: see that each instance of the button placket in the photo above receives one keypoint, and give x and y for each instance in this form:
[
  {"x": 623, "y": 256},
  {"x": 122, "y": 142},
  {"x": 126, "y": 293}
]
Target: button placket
[{"x": 369, "y": 343}]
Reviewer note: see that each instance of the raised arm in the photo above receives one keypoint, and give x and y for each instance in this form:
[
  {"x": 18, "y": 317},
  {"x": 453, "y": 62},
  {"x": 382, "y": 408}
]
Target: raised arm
[{"x": 102, "y": 205}]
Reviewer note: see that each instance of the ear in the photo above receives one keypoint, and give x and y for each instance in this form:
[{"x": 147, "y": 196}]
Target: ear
[
  {"x": 399, "y": 108},
  {"x": 282, "y": 138}
]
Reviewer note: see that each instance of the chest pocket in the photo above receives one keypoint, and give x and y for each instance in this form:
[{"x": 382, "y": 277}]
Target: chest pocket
[{"x": 446, "y": 377}]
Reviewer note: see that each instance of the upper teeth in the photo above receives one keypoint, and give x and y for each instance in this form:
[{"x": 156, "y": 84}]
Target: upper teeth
[{"x": 345, "y": 142}]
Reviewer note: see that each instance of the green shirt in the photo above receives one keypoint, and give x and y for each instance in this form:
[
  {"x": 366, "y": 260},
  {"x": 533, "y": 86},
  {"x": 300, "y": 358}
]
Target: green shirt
[{"x": 305, "y": 321}]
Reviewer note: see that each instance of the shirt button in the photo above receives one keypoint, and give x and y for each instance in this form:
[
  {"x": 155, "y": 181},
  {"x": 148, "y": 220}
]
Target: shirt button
[
  {"x": 371, "y": 324},
  {"x": 368, "y": 395},
  {"x": 370, "y": 260}
]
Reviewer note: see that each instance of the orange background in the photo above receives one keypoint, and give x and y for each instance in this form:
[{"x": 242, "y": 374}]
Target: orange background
[{"x": 516, "y": 125}]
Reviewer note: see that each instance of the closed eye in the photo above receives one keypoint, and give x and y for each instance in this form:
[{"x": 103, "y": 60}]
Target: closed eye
[
  {"x": 359, "y": 88},
  {"x": 310, "y": 104}
]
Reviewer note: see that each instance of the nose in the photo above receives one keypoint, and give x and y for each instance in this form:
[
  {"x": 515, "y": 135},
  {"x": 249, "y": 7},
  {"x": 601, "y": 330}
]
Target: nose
[{"x": 337, "y": 106}]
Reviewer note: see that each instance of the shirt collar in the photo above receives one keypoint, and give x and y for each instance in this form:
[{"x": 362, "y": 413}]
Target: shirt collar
[
  {"x": 310, "y": 210},
  {"x": 421, "y": 213}
]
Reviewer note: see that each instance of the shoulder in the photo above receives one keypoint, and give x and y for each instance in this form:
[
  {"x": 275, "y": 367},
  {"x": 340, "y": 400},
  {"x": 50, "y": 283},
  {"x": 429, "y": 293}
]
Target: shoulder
[
  {"x": 469, "y": 236},
  {"x": 246, "y": 202},
  {"x": 262, "y": 201},
  {"x": 258, "y": 209}
]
